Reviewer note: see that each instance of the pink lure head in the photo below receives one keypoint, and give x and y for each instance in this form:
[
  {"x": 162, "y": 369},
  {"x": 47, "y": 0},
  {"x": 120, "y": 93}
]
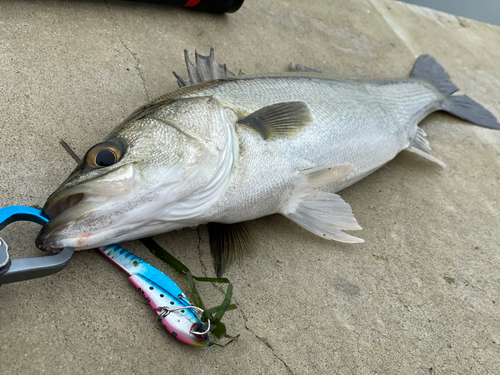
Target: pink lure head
[{"x": 181, "y": 320}]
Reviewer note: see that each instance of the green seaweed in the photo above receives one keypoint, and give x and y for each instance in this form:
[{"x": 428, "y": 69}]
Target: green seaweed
[{"x": 216, "y": 327}]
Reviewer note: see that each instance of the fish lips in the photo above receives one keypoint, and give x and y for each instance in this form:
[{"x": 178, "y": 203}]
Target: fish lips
[
  {"x": 71, "y": 211},
  {"x": 62, "y": 231}
]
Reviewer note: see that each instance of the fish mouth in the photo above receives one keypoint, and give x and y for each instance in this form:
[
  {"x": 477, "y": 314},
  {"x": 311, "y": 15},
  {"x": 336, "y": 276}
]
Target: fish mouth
[
  {"x": 64, "y": 211},
  {"x": 81, "y": 215},
  {"x": 55, "y": 206}
]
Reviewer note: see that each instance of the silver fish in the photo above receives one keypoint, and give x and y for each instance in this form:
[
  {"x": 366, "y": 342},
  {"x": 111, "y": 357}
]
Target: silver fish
[{"x": 226, "y": 149}]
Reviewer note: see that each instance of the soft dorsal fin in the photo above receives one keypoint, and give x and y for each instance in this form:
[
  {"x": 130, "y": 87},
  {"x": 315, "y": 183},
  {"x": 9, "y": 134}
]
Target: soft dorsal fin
[
  {"x": 280, "y": 119},
  {"x": 301, "y": 68},
  {"x": 420, "y": 146},
  {"x": 322, "y": 213},
  {"x": 229, "y": 242}
]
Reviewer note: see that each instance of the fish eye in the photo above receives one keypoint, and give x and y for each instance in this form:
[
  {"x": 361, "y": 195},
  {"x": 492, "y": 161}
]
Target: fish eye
[{"x": 103, "y": 155}]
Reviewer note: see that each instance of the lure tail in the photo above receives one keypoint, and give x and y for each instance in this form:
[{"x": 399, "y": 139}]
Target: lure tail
[{"x": 428, "y": 69}]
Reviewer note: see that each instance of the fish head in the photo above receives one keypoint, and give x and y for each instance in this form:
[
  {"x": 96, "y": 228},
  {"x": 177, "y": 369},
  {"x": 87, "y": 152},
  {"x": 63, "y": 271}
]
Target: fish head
[{"x": 157, "y": 171}]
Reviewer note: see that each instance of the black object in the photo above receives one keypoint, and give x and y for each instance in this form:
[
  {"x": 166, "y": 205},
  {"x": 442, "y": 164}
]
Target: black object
[{"x": 212, "y": 6}]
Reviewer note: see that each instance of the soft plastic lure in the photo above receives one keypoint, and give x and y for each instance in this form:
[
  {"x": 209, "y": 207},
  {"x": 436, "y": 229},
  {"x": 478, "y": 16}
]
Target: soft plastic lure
[{"x": 165, "y": 297}]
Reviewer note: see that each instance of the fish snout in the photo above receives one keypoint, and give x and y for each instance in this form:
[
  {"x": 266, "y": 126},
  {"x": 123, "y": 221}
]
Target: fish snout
[
  {"x": 46, "y": 238},
  {"x": 44, "y": 243},
  {"x": 66, "y": 211},
  {"x": 54, "y": 236}
]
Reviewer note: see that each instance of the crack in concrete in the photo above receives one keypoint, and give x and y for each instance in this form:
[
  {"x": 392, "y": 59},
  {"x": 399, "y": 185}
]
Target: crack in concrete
[
  {"x": 261, "y": 339},
  {"x": 133, "y": 54}
]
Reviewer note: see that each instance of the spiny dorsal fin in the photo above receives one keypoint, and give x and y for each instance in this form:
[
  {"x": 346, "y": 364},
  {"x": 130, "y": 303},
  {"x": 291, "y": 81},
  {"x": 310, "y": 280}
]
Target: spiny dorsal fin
[
  {"x": 229, "y": 242},
  {"x": 206, "y": 68},
  {"x": 420, "y": 146},
  {"x": 280, "y": 119}
]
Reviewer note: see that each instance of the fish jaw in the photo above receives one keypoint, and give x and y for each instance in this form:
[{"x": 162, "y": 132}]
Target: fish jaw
[
  {"x": 100, "y": 222},
  {"x": 76, "y": 207}
]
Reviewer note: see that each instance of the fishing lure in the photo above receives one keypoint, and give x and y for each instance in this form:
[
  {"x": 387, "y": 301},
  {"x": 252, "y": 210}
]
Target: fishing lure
[{"x": 165, "y": 297}]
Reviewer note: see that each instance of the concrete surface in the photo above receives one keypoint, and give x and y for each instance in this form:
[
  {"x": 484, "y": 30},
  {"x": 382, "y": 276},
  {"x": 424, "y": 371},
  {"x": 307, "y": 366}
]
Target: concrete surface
[{"x": 422, "y": 295}]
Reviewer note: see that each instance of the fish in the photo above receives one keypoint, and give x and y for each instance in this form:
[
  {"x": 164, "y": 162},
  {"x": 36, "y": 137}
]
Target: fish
[
  {"x": 224, "y": 149},
  {"x": 171, "y": 305}
]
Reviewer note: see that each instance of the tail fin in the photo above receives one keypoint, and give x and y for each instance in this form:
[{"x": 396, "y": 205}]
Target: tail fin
[{"x": 428, "y": 69}]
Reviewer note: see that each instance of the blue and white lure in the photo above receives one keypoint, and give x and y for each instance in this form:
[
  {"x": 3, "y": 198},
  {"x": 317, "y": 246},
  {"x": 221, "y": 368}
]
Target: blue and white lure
[{"x": 165, "y": 297}]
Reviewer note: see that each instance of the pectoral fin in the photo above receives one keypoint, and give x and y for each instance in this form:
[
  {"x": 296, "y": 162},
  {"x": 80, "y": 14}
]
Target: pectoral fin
[
  {"x": 229, "y": 242},
  {"x": 280, "y": 119},
  {"x": 322, "y": 213}
]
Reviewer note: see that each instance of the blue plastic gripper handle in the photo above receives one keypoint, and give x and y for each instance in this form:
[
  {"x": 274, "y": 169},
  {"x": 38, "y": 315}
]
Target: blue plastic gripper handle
[{"x": 12, "y": 270}]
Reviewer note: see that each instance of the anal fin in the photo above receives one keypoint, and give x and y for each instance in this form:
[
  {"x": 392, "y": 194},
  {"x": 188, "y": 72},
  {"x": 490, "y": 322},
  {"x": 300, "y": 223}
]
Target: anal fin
[{"x": 420, "y": 146}]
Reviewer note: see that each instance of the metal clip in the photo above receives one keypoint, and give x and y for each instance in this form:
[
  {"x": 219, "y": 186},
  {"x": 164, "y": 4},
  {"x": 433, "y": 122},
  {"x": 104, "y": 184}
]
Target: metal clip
[{"x": 12, "y": 270}]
